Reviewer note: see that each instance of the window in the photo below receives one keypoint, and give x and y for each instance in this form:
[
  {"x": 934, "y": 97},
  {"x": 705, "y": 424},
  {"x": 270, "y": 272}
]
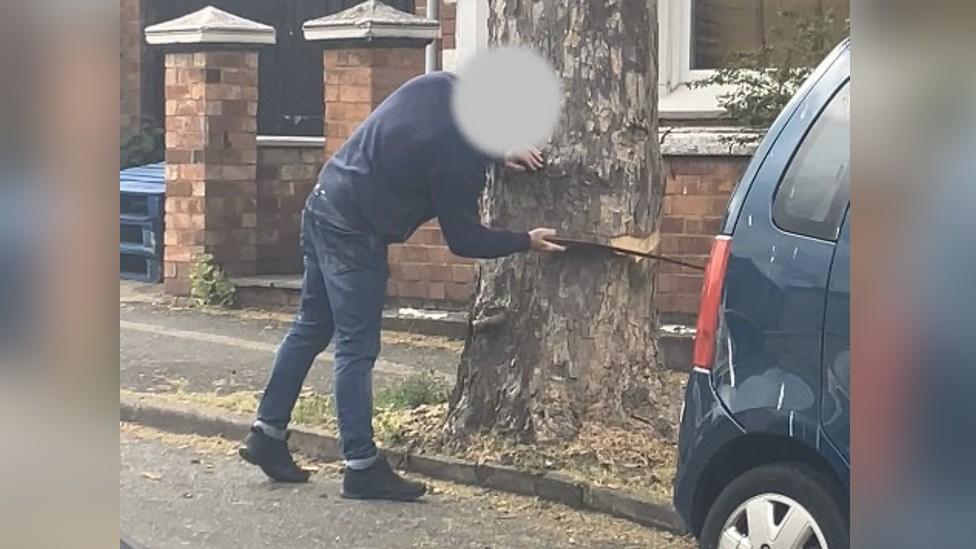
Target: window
[
  {"x": 698, "y": 36},
  {"x": 812, "y": 197},
  {"x": 722, "y": 27}
]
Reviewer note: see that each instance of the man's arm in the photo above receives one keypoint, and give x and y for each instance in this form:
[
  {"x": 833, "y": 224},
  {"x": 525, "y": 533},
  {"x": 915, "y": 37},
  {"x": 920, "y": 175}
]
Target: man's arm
[{"x": 455, "y": 195}]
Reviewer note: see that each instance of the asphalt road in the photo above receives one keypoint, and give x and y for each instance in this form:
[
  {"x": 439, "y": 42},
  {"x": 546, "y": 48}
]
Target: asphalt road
[{"x": 191, "y": 492}]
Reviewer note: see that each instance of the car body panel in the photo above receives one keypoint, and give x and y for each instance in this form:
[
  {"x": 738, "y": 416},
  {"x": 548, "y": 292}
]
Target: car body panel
[
  {"x": 767, "y": 378},
  {"x": 835, "y": 411},
  {"x": 705, "y": 423}
]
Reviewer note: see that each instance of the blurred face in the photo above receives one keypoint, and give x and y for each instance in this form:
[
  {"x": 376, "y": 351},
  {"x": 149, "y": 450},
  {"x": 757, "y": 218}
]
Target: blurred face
[{"x": 507, "y": 98}]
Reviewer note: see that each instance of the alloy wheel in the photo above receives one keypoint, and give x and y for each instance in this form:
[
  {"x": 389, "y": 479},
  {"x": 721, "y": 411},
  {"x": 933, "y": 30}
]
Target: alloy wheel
[{"x": 771, "y": 521}]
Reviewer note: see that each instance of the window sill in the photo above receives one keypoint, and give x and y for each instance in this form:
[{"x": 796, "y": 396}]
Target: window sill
[
  {"x": 684, "y": 103},
  {"x": 708, "y": 141}
]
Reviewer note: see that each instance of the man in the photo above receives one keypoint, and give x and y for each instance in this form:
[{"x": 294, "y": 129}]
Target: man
[{"x": 406, "y": 164}]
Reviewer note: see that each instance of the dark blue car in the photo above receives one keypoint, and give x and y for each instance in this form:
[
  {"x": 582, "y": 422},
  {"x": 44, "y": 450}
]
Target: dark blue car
[{"x": 764, "y": 445}]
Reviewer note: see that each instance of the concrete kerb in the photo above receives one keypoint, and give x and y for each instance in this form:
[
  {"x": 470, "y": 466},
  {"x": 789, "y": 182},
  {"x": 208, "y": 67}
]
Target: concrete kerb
[{"x": 316, "y": 444}]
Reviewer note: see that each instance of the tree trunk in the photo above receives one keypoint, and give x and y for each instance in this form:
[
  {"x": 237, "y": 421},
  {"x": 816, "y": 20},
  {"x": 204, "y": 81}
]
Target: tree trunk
[{"x": 557, "y": 340}]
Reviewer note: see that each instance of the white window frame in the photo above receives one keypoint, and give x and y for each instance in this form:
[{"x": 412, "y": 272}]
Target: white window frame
[
  {"x": 470, "y": 31},
  {"x": 677, "y": 100}
]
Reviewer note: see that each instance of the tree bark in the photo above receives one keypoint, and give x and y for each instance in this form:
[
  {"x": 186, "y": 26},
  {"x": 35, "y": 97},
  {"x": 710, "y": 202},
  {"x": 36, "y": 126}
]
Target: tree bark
[{"x": 558, "y": 340}]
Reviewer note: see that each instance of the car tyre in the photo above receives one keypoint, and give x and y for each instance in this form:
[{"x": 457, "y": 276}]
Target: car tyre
[{"x": 778, "y": 486}]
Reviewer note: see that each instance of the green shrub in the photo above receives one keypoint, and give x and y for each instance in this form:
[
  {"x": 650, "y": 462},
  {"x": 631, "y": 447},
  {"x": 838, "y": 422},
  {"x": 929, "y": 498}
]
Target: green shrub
[
  {"x": 764, "y": 80},
  {"x": 142, "y": 145},
  {"x": 208, "y": 283}
]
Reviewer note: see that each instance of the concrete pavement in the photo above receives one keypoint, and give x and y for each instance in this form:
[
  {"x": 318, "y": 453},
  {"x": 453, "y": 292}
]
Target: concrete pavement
[{"x": 161, "y": 348}]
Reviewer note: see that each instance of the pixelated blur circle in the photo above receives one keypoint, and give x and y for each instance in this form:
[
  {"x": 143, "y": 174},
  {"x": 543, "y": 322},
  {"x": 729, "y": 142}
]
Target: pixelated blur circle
[{"x": 507, "y": 98}]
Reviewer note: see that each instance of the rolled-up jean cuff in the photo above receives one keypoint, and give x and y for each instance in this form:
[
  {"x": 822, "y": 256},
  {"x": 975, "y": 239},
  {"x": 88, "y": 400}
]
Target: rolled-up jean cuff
[{"x": 361, "y": 463}]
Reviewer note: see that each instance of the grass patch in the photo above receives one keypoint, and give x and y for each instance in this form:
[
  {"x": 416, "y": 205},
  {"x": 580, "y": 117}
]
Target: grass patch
[
  {"x": 314, "y": 410},
  {"x": 417, "y": 390},
  {"x": 318, "y": 410},
  {"x": 239, "y": 402}
]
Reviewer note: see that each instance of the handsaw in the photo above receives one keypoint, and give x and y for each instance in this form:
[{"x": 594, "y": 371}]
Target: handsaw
[{"x": 626, "y": 245}]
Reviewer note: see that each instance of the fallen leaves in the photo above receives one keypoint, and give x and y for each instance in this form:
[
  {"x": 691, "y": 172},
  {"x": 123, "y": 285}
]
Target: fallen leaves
[{"x": 622, "y": 457}]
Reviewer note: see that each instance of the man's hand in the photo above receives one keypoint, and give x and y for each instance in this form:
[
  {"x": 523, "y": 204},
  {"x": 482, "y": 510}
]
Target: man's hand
[
  {"x": 530, "y": 159},
  {"x": 539, "y": 242}
]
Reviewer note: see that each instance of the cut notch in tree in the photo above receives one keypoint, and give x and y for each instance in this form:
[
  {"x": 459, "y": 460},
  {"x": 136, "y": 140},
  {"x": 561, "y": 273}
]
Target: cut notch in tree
[
  {"x": 576, "y": 339},
  {"x": 628, "y": 245}
]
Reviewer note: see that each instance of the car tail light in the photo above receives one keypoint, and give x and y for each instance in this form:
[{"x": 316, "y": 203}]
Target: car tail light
[{"x": 711, "y": 300}]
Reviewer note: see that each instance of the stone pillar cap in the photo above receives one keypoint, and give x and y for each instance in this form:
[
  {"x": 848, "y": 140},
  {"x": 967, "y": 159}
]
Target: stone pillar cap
[
  {"x": 372, "y": 20},
  {"x": 210, "y": 26}
]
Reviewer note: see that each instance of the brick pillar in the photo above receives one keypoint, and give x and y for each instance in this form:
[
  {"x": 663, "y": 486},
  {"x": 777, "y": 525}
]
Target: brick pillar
[
  {"x": 370, "y": 50},
  {"x": 359, "y": 79},
  {"x": 211, "y": 151}
]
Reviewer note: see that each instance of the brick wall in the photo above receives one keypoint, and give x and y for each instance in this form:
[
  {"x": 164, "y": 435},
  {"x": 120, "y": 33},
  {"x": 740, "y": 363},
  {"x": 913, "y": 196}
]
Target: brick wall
[
  {"x": 448, "y": 25},
  {"x": 423, "y": 270},
  {"x": 286, "y": 174},
  {"x": 130, "y": 63},
  {"x": 696, "y": 195}
]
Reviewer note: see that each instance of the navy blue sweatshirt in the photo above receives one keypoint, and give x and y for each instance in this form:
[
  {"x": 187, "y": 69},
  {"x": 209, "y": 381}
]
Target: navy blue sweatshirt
[{"x": 408, "y": 163}]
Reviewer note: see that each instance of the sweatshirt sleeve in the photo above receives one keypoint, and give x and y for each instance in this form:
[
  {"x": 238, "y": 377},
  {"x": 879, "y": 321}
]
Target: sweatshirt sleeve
[{"x": 455, "y": 191}]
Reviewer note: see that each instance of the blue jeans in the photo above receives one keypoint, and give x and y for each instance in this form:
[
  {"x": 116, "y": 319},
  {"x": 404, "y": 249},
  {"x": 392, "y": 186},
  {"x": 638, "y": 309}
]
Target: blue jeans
[{"x": 342, "y": 293}]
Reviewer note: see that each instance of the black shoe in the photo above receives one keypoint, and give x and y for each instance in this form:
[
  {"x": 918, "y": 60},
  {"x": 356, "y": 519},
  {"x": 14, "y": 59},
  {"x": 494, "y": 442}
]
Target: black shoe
[
  {"x": 272, "y": 456},
  {"x": 380, "y": 482}
]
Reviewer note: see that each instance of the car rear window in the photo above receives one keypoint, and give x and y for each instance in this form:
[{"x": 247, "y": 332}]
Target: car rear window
[{"x": 813, "y": 195}]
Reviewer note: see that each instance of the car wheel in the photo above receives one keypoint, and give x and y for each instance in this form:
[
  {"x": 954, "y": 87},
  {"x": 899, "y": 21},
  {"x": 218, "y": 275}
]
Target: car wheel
[{"x": 779, "y": 506}]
